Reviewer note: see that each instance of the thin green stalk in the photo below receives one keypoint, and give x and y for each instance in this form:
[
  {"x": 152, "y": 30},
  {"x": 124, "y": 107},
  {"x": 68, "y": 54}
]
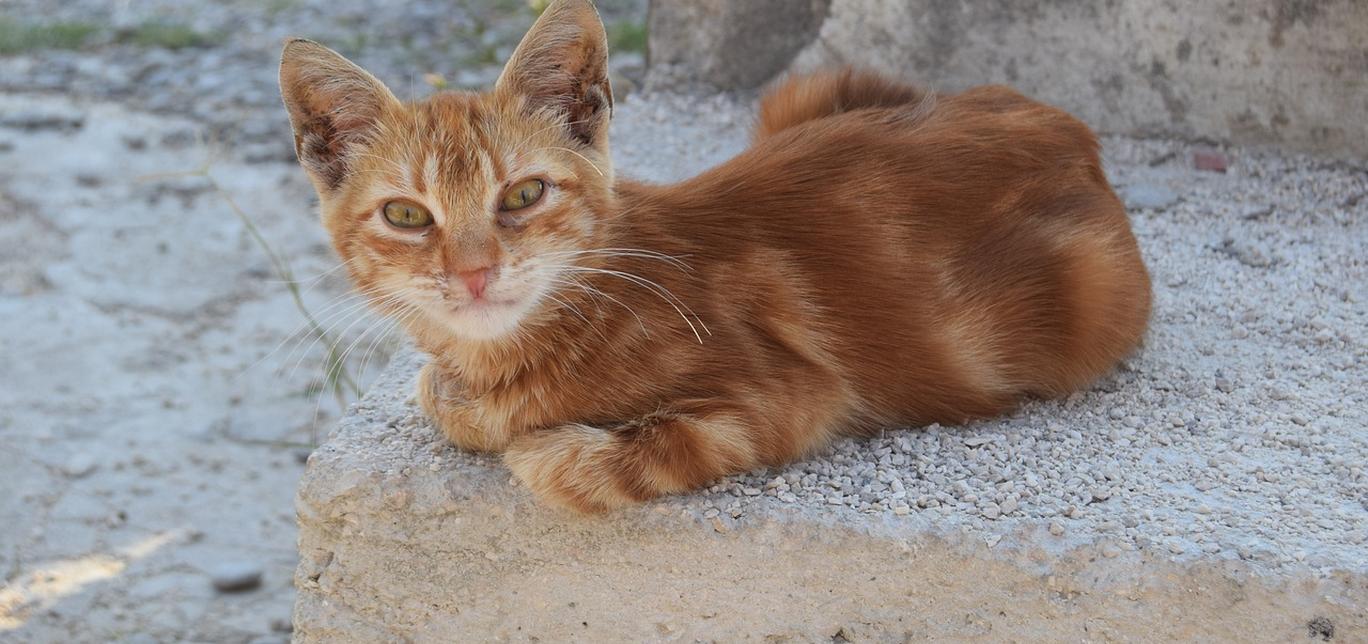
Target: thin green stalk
[{"x": 336, "y": 376}]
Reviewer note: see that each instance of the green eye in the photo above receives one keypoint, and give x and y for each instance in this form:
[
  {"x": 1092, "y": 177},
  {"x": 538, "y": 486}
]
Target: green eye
[
  {"x": 402, "y": 214},
  {"x": 523, "y": 195}
]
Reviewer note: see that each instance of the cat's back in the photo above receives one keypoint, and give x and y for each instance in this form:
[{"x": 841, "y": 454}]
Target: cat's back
[
  {"x": 973, "y": 235},
  {"x": 984, "y": 142},
  {"x": 842, "y": 155}
]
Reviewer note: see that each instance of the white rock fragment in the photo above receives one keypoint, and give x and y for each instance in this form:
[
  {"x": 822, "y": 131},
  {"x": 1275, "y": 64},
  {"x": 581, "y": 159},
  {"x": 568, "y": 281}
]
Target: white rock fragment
[{"x": 80, "y": 465}]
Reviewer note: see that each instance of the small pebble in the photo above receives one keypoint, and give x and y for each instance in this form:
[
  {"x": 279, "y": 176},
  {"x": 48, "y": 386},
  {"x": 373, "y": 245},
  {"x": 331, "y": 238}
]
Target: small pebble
[
  {"x": 80, "y": 466},
  {"x": 236, "y": 577},
  {"x": 1056, "y": 528},
  {"x": 1209, "y": 160},
  {"x": 1151, "y": 196}
]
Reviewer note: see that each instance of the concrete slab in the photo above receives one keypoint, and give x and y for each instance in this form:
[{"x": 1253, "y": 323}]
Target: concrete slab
[{"x": 1213, "y": 487}]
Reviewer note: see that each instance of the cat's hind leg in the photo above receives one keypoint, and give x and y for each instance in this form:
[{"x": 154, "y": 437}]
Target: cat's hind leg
[{"x": 593, "y": 469}]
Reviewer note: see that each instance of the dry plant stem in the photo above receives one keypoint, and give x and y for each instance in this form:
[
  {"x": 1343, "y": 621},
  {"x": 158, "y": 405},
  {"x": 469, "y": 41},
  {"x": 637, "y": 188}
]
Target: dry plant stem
[{"x": 336, "y": 376}]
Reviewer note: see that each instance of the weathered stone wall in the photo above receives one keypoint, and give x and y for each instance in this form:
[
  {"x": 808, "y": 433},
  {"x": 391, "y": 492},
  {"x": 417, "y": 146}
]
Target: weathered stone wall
[{"x": 1286, "y": 72}]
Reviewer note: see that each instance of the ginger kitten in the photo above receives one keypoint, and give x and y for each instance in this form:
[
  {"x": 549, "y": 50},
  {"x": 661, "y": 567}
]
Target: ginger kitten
[{"x": 878, "y": 258}]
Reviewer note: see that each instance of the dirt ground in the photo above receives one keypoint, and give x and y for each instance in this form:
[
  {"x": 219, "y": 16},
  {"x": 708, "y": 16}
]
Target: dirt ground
[{"x": 158, "y": 392}]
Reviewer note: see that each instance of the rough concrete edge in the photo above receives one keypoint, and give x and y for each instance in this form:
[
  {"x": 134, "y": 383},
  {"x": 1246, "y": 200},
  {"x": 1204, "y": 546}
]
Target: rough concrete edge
[{"x": 337, "y": 498}]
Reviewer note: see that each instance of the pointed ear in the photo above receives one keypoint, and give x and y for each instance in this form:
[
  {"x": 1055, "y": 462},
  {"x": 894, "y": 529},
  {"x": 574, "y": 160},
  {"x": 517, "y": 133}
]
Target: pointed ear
[
  {"x": 562, "y": 65},
  {"x": 333, "y": 106}
]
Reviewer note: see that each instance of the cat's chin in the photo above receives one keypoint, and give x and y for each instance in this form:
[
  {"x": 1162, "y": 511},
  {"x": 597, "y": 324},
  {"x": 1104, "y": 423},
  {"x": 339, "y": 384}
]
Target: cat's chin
[{"x": 483, "y": 319}]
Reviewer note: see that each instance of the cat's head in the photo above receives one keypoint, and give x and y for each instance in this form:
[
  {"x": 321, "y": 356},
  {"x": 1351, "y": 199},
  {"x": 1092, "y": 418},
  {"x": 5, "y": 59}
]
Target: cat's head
[{"x": 461, "y": 210}]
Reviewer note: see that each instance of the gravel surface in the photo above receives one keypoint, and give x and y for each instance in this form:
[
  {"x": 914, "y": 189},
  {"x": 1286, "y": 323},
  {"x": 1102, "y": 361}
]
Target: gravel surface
[
  {"x": 216, "y": 62},
  {"x": 1239, "y": 431}
]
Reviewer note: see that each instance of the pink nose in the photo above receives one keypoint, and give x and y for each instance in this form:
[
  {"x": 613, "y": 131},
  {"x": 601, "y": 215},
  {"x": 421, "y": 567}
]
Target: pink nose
[{"x": 475, "y": 281}]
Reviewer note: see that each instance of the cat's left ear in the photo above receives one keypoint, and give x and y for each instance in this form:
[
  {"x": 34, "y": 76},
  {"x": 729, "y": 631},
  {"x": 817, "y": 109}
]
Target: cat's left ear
[{"x": 562, "y": 65}]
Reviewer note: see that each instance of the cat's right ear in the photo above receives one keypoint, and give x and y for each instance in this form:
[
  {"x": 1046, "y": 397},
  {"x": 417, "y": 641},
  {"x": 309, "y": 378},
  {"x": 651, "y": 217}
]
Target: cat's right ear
[
  {"x": 333, "y": 106},
  {"x": 561, "y": 65}
]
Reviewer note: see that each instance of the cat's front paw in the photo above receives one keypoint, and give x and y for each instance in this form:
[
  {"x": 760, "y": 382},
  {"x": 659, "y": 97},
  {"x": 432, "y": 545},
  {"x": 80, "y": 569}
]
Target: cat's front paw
[
  {"x": 591, "y": 469},
  {"x": 574, "y": 467},
  {"x": 442, "y": 397}
]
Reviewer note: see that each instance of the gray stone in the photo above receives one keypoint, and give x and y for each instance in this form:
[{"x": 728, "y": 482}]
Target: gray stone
[
  {"x": 80, "y": 465},
  {"x": 61, "y": 120},
  {"x": 1145, "y": 195},
  {"x": 724, "y": 44},
  {"x": 1289, "y": 73}
]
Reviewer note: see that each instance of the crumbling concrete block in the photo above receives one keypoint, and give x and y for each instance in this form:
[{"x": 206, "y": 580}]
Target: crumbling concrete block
[{"x": 403, "y": 538}]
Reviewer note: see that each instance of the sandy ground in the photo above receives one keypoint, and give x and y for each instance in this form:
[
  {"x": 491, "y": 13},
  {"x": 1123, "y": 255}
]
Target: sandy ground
[
  {"x": 154, "y": 407},
  {"x": 149, "y": 443}
]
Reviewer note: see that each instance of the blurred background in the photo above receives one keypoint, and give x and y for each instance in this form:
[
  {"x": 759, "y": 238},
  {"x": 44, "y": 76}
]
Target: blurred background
[{"x": 175, "y": 337}]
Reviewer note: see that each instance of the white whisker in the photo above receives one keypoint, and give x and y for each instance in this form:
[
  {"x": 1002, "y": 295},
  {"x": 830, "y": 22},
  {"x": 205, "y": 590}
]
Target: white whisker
[
  {"x": 664, "y": 293},
  {"x": 586, "y": 159}
]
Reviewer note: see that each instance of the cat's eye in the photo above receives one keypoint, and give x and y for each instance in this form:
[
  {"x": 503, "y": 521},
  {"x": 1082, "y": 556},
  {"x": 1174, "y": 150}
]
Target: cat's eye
[
  {"x": 522, "y": 195},
  {"x": 404, "y": 214}
]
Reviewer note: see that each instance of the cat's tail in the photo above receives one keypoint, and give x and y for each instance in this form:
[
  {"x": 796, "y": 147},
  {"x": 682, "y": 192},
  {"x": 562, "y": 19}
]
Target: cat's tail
[{"x": 801, "y": 99}]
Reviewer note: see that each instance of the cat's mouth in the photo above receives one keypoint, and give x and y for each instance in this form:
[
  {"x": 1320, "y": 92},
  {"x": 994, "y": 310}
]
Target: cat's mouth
[
  {"x": 484, "y": 318},
  {"x": 486, "y": 304}
]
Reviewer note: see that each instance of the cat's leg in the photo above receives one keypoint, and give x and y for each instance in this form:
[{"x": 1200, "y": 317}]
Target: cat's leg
[
  {"x": 442, "y": 397},
  {"x": 593, "y": 469}
]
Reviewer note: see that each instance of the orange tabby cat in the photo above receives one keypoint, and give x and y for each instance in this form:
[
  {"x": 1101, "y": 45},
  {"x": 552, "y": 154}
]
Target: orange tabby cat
[{"x": 878, "y": 258}]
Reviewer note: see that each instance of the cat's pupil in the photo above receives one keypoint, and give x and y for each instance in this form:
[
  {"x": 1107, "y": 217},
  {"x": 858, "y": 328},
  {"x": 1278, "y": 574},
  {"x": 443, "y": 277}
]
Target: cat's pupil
[{"x": 523, "y": 195}]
